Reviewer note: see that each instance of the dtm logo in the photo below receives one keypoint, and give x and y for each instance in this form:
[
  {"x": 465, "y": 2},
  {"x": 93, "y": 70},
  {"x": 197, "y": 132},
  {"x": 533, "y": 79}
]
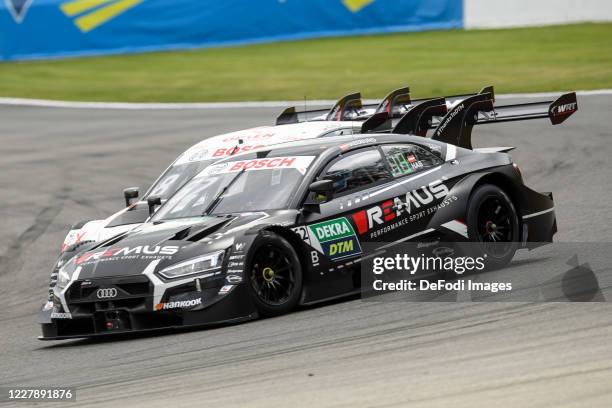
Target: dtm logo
[
  {"x": 564, "y": 109},
  {"x": 336, "y": 237},
  {"x": 106, "y": 293},
  {"x": 18, "y": 8},
  {"x": 392, "y": 209}
]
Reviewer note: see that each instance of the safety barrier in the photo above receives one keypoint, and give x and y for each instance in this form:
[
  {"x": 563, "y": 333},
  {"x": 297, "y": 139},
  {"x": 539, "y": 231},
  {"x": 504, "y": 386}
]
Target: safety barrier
[
  {"x": 61, "y": 28},
  {"x": 521, "y": 13}
]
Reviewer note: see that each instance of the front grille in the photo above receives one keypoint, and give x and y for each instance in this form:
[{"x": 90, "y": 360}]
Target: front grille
[
  {"x": 135, "y": 288},
  {"x": 129, "y": 286},
  {"x": 131, "y": 294}
]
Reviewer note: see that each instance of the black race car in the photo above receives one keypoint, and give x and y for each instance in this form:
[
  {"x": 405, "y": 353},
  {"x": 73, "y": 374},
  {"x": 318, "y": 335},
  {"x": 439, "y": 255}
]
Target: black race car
[{"x": 258, "y": 233}]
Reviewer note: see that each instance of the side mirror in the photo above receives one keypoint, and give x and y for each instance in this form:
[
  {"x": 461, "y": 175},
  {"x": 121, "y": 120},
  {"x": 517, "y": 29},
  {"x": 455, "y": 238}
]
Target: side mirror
[
  {"x": 153, "y": 202},
  {"x": 323, "y": 191},
  {"x": 129, "y": 194},
  {"x": 322, "y": 187}
]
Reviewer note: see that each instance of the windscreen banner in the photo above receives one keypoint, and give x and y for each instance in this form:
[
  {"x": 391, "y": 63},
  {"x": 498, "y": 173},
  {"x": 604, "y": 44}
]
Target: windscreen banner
[{"x": 32, "y": 29}]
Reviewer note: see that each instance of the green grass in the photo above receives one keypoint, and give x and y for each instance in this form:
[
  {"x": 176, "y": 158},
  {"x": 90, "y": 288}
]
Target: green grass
[{"x": 431, "y": 63}]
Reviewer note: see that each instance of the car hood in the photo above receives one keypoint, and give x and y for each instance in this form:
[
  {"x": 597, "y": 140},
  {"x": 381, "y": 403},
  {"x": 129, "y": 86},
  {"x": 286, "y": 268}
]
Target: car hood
[{"x": 156, "y": 246}]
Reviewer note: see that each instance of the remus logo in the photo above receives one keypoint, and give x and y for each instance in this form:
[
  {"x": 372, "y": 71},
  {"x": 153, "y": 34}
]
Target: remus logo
[
  {"x": 166, "y": 250},
  {"x": 389, "y": 210}
]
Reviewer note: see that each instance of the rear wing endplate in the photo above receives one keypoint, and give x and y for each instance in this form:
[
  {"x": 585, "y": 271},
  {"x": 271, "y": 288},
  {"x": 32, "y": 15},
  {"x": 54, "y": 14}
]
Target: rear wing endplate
[
  {"x": 420, "y": 117},
  {"x": 395, "y": 99},
  {"x": 386, "y": 110},
  {"x": 456, "y": 126},
  {"x": 399, "y": 97},
  {"x": 351, "y": 101},
  {"x": 291, "y": 115},
  {"x": 337, "y": 112}
]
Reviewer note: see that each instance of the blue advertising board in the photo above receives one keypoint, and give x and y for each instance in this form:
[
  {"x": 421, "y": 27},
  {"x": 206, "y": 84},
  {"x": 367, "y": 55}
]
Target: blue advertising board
[{"x": 61, "y": 28}]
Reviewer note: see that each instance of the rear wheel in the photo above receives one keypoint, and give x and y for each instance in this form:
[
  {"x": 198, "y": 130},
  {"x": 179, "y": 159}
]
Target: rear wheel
[
  {"x": 493, "y": 223},
  {"x": 275, "y": 275}
]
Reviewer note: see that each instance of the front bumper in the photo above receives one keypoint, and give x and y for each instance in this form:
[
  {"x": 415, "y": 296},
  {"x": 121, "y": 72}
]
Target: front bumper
[{"x": 133, "y": 309}]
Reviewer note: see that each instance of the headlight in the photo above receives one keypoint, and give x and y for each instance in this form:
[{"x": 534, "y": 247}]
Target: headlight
[
  {"x": 60, "y": 262},
  {"x": 200, "y": 264},
  {"x": 63, "y": 278}
]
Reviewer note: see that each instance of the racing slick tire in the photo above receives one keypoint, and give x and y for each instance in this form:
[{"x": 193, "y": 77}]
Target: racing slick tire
[
  {"x": 493, "y": 222},
  {"x": 275, "y": 275}
]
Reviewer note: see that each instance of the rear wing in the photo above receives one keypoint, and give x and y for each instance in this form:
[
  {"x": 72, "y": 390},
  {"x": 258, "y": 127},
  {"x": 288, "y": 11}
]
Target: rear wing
[
  {"x": 456, "y": 126},
  {"x": 419, "y": 118},
  {"x": 392, "y": 105},
  {"x": 418, "y": 115},
  {"x": 349, "y": 107},
  {"x": 349, "y": 102},
  {"x": 291, "y": 115},
  {"x": 337, "y": 112}
]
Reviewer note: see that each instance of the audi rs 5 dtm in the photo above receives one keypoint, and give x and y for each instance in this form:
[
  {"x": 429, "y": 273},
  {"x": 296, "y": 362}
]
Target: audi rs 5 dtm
[{"x": 258, "y": 233}]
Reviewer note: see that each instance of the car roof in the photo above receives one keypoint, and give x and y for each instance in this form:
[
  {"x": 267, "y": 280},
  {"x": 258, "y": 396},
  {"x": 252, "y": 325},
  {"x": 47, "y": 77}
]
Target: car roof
[
  {"x": 261, "y": 136},
  {"x": 315, "y": 147}
]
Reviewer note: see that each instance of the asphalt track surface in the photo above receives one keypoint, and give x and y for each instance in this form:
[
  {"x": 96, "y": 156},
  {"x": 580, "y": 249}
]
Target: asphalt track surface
[{"x": 58, "y": 166}]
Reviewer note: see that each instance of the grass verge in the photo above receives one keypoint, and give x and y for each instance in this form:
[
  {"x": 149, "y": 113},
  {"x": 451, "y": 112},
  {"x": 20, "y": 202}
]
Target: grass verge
[{"x": 514, "y": 60}]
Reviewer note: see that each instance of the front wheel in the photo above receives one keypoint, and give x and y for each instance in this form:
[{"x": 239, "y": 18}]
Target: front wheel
[
  {"x": 275, "y": 275},
  {"x": 493, "y": 223}
]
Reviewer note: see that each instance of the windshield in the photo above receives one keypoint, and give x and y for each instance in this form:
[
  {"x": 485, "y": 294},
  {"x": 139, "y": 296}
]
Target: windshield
[
  {"x": 238, "y": 186},
  {"x": 175, "y": 177}
]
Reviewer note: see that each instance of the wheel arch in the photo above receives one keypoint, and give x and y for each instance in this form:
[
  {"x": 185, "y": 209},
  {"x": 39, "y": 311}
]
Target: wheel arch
[
  {"x": 295, "y": 243},
  {"x": 298, "y": 246},
  {"x": 465, "y": 188},
  {"x": 507, "y": 185}
]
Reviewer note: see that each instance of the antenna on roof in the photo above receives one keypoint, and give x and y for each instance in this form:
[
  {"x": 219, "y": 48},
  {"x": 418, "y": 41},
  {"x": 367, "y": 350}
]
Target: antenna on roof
[{"x": 236, "y": 148}]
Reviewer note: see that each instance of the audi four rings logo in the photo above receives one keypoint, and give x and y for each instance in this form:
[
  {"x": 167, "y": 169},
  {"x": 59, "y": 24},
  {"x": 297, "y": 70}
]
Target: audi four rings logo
[{"x": 106, "y": 293}]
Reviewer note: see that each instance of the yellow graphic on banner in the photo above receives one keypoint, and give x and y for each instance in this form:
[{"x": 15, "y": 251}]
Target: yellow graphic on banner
[
  {"x": 96, "y": 12},
  {"x": 356, "y": 5}
]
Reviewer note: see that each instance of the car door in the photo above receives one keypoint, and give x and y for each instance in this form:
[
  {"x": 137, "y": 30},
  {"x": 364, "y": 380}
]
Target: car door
[
  {"x": 355, "y": 175},
  {"x": 367, "y": 207},
  {"x": 420, "y": 188}
]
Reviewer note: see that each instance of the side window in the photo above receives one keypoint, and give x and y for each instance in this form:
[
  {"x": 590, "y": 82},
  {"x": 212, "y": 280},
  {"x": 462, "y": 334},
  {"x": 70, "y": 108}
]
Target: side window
[
  {"x": 356, "y": 171},
  {"x": 407, "y": 159}
]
